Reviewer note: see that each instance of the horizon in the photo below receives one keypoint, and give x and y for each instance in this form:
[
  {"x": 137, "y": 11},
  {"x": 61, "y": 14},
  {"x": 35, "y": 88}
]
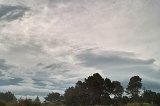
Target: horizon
[{"x": 48, "y": 45}]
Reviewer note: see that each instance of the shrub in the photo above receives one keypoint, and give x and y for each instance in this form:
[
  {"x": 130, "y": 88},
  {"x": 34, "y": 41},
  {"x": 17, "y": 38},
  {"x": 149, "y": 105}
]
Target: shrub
[{"x": 2, "y": 104}]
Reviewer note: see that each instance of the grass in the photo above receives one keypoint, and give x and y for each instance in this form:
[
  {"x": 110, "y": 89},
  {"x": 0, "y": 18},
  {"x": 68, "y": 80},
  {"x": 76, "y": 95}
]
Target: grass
[{"x": 139, "y": 104}]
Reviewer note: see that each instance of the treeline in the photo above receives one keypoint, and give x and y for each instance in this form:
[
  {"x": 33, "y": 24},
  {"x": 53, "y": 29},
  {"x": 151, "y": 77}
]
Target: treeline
[
  {"x": 8, "y": 99},
  {"x": 94, "y": 90}
]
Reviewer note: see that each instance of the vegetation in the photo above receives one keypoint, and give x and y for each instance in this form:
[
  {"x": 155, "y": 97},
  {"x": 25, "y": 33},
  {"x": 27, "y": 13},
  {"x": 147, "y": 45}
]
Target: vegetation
[
  {"x": 94, "y": 91},
  {"x": 134, "y": 87}
]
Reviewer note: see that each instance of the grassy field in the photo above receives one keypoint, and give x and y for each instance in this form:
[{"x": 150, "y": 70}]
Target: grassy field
[
  {"x": 139, "y": 104},
  {"x": 61, "y": 104}
]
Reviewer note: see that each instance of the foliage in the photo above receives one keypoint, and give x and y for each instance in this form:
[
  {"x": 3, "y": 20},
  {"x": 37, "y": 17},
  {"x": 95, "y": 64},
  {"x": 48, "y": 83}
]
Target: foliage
[
  {"x": 95, "y": 91},
  {"x": 134, "y": 87},
  {"x": 118, "y": 89},
  {"x": 149, "y": 96},
  {"x": 54, "y": 96},
  {"x": 7, "y": 96}
]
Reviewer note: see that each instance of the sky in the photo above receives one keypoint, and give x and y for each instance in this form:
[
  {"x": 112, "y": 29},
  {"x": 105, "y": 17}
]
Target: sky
[{"x": 48, "y": 45}]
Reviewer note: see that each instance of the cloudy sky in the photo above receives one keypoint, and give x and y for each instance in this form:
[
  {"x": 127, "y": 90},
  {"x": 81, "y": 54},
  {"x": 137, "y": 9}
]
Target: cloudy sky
[{"x": 47, "y": 45}]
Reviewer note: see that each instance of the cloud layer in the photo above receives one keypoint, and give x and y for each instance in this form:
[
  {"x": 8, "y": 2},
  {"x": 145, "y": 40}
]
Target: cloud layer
[{"x": 47, "y": 45}]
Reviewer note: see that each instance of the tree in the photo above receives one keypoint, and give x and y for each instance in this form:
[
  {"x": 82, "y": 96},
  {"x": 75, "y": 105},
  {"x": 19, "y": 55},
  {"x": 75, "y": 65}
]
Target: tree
[
  {"x": 149, "y": 96},
  {"x": 25, "y": 102},
  {"x": 7, "y": 96},
  {"x": 125, "y": 99},
  {"x": 76, "y": 95},
  {"x": 93, "y": 91},
  {"x": 157, "y": 99},
  {"x": 108, "y": 87},
  {"x": 81, "y": 93},
  {"x": 90, "y": 92},
  {"x": 107, "y": 91},
  {"x": 54, "y": 96},
  {"x": 134, "y": 87},
  {"x": 95, "y": 86},
  {"x": 70, "y": 96},
  {"x": 37, "y": 101},
  {"x": 117, "y": 91}
]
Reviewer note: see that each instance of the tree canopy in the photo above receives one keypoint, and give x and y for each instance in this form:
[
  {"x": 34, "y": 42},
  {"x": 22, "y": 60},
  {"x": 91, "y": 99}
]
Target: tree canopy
[
  {"x": 94, "y": 90},
  {"x": 134, "y": 86}
]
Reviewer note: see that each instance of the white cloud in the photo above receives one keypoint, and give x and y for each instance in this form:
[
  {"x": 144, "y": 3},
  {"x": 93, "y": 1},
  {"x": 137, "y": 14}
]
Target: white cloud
[{"x": 53, "y": 33}]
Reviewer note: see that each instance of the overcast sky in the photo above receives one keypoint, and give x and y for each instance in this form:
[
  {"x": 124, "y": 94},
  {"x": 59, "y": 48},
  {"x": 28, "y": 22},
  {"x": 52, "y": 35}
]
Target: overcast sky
[{"x": 48, "y": 45}]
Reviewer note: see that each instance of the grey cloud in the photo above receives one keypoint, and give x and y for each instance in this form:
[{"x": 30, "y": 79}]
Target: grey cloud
[
  {"x": 41, "y": 75},
  {"x": 83, "y": 24},
  {"x": 152, "y": 85},
  {"x": 1, "y": 74},
  {"x": 9, "y": 13},
  {"x": 28, "y": 47},
  {"x": 121, "y": 73},
  {"x": 39, "y": 83},
  {"x": 40, "y": 64},
  {"x": 54, "y": 66},
  {"x": 112, "y": 59},
  {"x": 122, "y": 66},
  {"x": 26, "y": 90},
  {"x": 4, "y": 65},
  {"x": 150, "y": 76},
  {"x": 13, "y": 81},
  {"x": 55, "y": 77},
  {"x": 26, "y": 51},
  {"x": 53, "y": 84},
  {"x": 30, "y": 93}
]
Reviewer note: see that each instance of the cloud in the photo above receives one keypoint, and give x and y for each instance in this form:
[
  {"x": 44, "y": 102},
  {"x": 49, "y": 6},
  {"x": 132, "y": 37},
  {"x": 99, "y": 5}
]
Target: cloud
[
  {"x": 4, "y": 65},
  {"x": 121, "y": 65},
  {"x": 1, "y": 74},
  {"x": 13, "y": 81},
  {"x": 25, "y": 90},
  {"x": 151, "y": 85},
  {"x": 53, "y": 66},
  {"x": 54, "y": 43},
  {"x": 9, "y": 12},
  {"x": 111, "y": 59}
]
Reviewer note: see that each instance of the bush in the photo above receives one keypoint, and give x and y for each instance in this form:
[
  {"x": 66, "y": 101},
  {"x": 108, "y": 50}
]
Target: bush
[{"x": 2, "y": 104}]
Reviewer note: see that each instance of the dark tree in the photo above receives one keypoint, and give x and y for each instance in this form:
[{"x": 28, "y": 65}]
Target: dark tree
[
  {"x": 149, "y": 96},
  {"x": 54, "y": 96},
  {"x": 7, "y": 97},
  {"x": 89, "y": 92},
  {"x": 107, "y": 91},
  {"x": 37, "y": 99},
  {"x": 81, "y": 93},
  {"x": 125, "y": 100},
  {"x": 25, "y": 102},
  {"x": 95, "y": 88},
  {"x": 93, "y": 91},
  {"x": 108, "y": 87},
  {"x": 70, "y": 96},
  {"x": 117, "y": 91},
  {"x": 157, "y": 99},
  {"x": 134, "y": 87},
  {"x": 37, "y": 102}
]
